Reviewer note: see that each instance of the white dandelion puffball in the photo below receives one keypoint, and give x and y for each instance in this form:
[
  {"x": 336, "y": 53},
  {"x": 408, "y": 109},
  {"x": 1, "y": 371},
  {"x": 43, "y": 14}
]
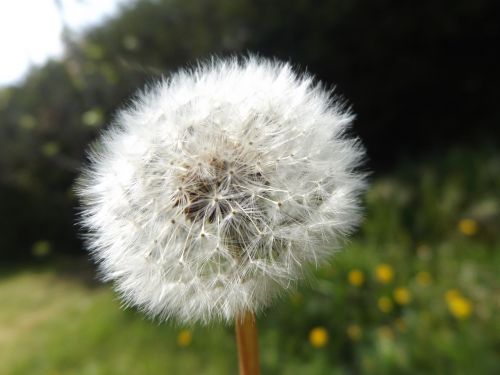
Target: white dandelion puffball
[{"x": 218, "y": 187}]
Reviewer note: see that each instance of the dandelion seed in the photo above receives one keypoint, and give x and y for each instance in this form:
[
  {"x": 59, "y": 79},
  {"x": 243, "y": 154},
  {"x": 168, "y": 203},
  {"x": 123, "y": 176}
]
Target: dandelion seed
[{"x": 197, "y": 209}]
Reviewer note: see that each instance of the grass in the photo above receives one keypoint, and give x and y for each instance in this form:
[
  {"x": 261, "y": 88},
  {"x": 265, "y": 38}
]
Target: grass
[
  {"x": 54, "y": 325},
  {"x": 416, "y": 291}
]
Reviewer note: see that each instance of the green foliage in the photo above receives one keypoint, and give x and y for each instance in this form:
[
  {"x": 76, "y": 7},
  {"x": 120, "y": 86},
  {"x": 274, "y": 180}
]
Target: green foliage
[{"x": 415, "y": 292}]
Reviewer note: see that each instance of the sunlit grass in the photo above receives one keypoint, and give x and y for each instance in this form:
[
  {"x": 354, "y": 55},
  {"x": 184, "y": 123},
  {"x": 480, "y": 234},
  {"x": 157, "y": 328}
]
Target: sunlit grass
[{"x": 52, "y": 325}]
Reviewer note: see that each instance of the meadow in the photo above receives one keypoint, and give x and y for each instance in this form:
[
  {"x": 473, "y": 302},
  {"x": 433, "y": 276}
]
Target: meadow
[{"x": 415, "y": 291}]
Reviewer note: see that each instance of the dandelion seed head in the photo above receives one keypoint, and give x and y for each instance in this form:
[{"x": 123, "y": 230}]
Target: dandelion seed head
[{"x": 218, "y": 187}]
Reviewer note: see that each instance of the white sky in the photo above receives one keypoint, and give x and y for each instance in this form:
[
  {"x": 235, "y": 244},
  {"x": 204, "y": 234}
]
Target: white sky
[{"x": 30, "y": 30}]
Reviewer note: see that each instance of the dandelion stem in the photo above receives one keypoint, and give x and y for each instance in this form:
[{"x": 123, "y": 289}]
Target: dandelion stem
[{"x": 248, "y": 349}]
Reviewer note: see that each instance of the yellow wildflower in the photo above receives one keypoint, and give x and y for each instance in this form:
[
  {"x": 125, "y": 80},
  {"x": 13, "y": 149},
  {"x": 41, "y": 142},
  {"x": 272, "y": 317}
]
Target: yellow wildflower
[
  {"x": 184, "y": 338},
  {"x": 318, "y": 337},
  {"x": 424, "y": 278},
  {"x": 459, "y": 306},
  {"x": 402, "y": 296},
  {"x": 468, "y": 227},
  {"x": 452, "y": 294},
  {"x": 384, "y": 273},
  {"x": 354, "y": 332},
  {"x": 385, "y": 304},
  {"x": 356, "y": 277}
]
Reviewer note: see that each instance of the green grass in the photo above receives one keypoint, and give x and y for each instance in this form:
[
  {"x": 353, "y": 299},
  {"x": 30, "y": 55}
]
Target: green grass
[
  {"x": 54, "y": 325},
  {"x": 53, "y": 322}
]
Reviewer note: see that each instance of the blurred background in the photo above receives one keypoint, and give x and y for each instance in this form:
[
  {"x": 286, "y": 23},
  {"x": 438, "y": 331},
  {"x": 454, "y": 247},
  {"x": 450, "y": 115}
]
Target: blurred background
[{"x": 415, "y": 291}]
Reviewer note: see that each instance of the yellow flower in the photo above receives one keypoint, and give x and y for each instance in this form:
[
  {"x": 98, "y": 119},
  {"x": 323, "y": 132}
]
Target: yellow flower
[
  {"x": 459, "y": 306},
  {"x": 424, "y": 278},
  {"x": 384, "y": 273},
  {"x": 451, "y": 295},
  {"x": 356, "y": 277},
  {"x": 402, "y": 296},
  {"x": 184, "y": 338},
  {"x": 468, "y": 227},
  {"x": 318, "y": 337},
  {"x": 385, "y": 304},
  {"x": 354, "y": 332}
]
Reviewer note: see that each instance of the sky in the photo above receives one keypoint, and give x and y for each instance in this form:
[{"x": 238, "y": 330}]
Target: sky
[{"x": 30, "y": 30}]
